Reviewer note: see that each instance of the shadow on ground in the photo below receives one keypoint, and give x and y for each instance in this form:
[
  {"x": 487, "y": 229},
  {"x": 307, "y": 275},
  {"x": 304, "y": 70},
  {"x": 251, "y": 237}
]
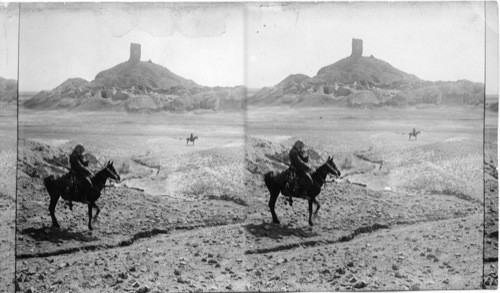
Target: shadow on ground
[
  {"x": 279, "y": 231},
  {"x": 56, "y": 235}
]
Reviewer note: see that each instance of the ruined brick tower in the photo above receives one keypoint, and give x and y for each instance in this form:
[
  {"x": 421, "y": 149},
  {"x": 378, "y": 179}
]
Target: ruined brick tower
[
  {"x": 135, "y": 53},
  {"x": 357, "y": 48}
]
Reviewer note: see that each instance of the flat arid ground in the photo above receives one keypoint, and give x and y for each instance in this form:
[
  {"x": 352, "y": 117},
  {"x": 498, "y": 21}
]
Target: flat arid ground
[
  {"x": 8, "y": 133},
  {"x": 491, "y": 200},
  {"x": 404, "y": 215}
]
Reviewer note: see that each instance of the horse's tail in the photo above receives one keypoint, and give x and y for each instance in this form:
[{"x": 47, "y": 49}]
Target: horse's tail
[{"x": 50, "y": 184}]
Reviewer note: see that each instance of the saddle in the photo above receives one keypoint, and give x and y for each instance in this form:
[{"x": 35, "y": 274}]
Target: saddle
[
  {"x": 290, "y": 182},
  {"x": 74, "y": 183}
]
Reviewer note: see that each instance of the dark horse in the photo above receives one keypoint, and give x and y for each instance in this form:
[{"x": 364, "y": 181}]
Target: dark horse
[
  {"x": 191, "y": 139},
  {"x": 318, "y": 177},
  {"x": 413, "y": 133},
  {"x": 56, "y": 186}
]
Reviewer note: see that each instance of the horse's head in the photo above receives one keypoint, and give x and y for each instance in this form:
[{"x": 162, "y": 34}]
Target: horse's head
[
  {"x": 111, "y": 172},
  {"x": 331, "y": 167}
]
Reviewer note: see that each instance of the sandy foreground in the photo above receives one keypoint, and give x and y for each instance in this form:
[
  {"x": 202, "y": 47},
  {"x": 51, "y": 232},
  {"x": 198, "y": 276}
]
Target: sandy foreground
[
  {"x": 195, "y": 218},
  {"x": 8, "y": 131}
]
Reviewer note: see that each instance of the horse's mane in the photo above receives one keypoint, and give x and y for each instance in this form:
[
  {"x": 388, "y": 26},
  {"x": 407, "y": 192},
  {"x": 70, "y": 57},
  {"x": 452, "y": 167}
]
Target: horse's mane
[
  {"x": 321, "y": 168},
  {"x": 100, "y": 176},
  {"x": 320, "y": 172}
]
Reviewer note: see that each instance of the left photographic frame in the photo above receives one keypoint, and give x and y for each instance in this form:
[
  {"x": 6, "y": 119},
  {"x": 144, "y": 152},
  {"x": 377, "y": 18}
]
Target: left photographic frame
[
  {"x": 9, "y": 25},
  {"x": 131, "y": 146}
]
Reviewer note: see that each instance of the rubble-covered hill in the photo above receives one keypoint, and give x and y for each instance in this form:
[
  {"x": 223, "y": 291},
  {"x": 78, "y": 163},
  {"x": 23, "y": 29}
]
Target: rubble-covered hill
[
  {"x": 358, "y": 81},
  {"x": 137, "y": 86},
  {"x": 8, "y": 90},
  {"x": 366, "y": 70},
  {"x": 146, "y": 74}
]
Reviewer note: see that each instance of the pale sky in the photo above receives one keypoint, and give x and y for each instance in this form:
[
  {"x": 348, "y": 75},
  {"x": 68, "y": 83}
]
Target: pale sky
[
  {"x": 206, "y": 42},
  {"x": 492, "y": 48},
  {"x": 201, "y": 42},
  {"x": 9, "y": 17},
  {"x": 433, "y": 40}
]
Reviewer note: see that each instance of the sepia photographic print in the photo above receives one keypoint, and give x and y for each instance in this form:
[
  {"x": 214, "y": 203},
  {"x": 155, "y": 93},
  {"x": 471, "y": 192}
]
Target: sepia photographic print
[{"x": 208, "y": 147}]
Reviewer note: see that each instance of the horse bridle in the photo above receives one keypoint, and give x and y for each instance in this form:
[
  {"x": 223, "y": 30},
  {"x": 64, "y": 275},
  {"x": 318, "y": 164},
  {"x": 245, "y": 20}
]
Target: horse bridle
[
  {"x": 325, "y": 182},
  {"x": 104, "y": 183}
]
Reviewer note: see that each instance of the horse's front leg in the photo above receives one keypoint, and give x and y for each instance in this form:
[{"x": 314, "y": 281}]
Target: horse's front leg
[
  {"x": 98, "y": 211},
  {"x": 272, "y": 204},
  {"x": 52, "y": 210},
  {"x": 317, "y": 206},
  {"x": 90, "y": 216},
  {"x": 310, "y": 212}
]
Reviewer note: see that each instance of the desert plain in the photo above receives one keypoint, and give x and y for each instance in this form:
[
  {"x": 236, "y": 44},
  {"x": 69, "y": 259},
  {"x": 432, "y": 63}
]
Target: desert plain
[
  {"x": 8, "y": 146},
  {"x": 404, "y": 215}
]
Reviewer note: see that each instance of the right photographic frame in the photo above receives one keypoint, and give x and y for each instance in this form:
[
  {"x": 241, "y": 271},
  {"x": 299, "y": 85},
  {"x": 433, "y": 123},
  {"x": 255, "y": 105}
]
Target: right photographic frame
[{"x": 371, "y": 146}]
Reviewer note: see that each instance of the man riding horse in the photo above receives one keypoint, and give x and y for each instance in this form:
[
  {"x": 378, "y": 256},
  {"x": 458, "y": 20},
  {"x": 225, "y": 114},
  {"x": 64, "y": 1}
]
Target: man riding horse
[
  {"x": 299, "y": 163},
  {"x": 79, "y": 168},
  {"x": 413, "y": 133},
  {"x": 286, "y": 182}
]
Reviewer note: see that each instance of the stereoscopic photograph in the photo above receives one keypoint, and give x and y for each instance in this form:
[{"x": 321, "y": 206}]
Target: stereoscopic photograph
[{"x": 208, "y": 147}]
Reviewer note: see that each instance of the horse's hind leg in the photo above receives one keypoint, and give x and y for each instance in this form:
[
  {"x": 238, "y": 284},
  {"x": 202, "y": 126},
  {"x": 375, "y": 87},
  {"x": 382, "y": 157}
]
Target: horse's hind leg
[
  {"x": 52, "y": 210},
  {"x": 272, "y": 203}
]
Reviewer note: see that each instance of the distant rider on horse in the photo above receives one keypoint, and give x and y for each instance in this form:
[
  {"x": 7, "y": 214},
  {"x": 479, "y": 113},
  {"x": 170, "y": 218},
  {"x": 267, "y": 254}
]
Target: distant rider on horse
[
  {"x": 79, "y": 168},
  {"x": 299, "y": 163}
]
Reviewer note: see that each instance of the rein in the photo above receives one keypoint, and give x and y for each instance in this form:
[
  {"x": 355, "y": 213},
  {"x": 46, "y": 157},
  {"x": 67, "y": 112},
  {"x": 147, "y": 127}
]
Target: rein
[
  {"x": 319, "y": 177},
  {"x": 98, "y": 176},
  {"x": 315, "y": 174}
]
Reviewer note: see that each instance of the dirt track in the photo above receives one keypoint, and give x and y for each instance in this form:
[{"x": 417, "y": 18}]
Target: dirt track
[
  {"x": 395, "y": 239},
  {"x": 221, "y": 250},
  {"x": 8, "y": 129},
  {"x": 491, "y": 201}
]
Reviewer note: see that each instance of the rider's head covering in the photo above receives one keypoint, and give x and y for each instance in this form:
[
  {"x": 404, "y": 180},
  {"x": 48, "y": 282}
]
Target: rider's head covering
[
  {"x": 299, "y": 144},
  {"x": 79, "y": 149}
]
